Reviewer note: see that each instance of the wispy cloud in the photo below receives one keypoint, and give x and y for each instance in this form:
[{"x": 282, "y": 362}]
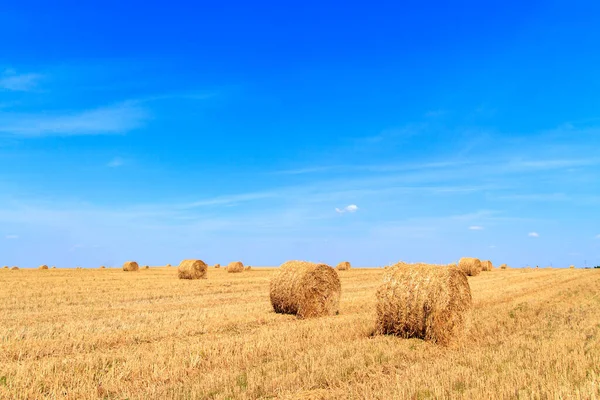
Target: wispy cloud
[
  {"x": 115, "y": 162},
  {"x": 12, "y": 237},
  {"x": 476, "y": 228},
  {"x": 533, "y": 234},
  {"x": 598, "y": 236},
  {"x": 351, "y": 208},
  {"x": 119, "y": 118},
  {"x": 11, "y": 81}
]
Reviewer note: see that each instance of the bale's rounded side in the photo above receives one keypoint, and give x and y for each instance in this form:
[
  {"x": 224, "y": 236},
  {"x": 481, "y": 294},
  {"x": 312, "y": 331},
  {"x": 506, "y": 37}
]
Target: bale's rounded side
[
  {"x": 343, "y": 266},
  {"x": 235, "y": 266},
  {"x": 192, "y": 269},
  {"x": 486, "y": 265},
  {"x": 131, "y": 266},
  {"x": 429, "y": 302},
  {"x": 43, "y": 266},
  {"x": 470, "y": 266},
  {"x": 15, "y": 268},
  {"x": 305, "y": 289}
]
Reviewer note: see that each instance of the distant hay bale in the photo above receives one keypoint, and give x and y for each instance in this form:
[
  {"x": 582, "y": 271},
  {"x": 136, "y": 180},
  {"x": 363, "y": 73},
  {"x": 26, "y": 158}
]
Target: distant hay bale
[
  {"x": 571, "y": 267},
  {"x": 235, "y": 266},
  {"x": 168, "y": 265},
  {"x": 217, "y": 265},
  {"x": 504, "y": 266},
  {"x": 343, "y": 266},
  {"x": 131, "y": 266},
  {"x": 102, "y": 267},
  {"x": 5, "y": 267},
  {"x": 15, "y": 268},
  {"x": 470, "y": 266},
  {"x": 486, "y": 265},
  {"x": 146, "y": 267},
  {"x": 248, "y": 268},
  {"x": 43, "y": 266},
  {"x": 53, "y": 267},
  {"x": 305, "y": 289},
  {"x": 423, "y": 301},
  {"x": 192, "y": 269}
]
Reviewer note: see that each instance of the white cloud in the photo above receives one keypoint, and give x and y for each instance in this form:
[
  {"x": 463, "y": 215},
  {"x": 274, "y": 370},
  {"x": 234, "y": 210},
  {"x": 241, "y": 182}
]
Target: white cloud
[
  {"x": 476, "y": 228},
  {"x": 351, "y": 208},
  {"x": 12, "y": 236},
  {"x": 533, "y": 234},
  {"x": 598, "y": 236},
  {"x": 119, "y": 118},
  {"x": 12, "y": 81},
  {"x": 115, "y": 162}
]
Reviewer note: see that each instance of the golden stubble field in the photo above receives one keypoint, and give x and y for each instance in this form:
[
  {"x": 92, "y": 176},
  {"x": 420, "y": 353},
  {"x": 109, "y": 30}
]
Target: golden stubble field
[{"x": 88, "y": 334}]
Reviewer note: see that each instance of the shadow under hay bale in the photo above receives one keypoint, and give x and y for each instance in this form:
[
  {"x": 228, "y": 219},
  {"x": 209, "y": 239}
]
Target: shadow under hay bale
[
  {"x": 470, "y": 266},
  {"x": 130, "y": 266},
  {"x": 343, "y": 266},
  {"x": 192, "y": 269},
  {"x": 305, "y": 289},
  {"x": 429, "y": 302},
  {"x": 235, "y": 266}
]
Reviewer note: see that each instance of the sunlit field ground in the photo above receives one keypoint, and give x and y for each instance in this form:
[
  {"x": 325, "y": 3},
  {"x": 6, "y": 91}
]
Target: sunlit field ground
[{"x": 87, "y": 334}]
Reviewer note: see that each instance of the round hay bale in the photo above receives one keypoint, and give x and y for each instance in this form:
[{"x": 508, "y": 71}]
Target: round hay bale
[
  {"x": 53, "y": 267},
  {"x": 5, "y": 267},
  {"x": 504, "y": 266},
  {"x": 571, "y": 267},
  {"x": 102, "y": 267},
  {"x": 235, "y": 266},
  {"x": 305, "y": 289},
  {"x": 146, "y": 267},
  {"x": 131, "y": 266},
  {"x": 248, "y": 268},
  {"x": 43, "y": 266},
  {"x": 168, "y": 265},
  {"x": 470, "y": 266},
  {"x": 486, "y": 265},
  {"x": 192, "y": 269},
  {"x": 15, "y": 268},
  {"x": 429, "y": 302},
  {"x": 343, "y": 266},
  {"x": 217, "y": 266}
]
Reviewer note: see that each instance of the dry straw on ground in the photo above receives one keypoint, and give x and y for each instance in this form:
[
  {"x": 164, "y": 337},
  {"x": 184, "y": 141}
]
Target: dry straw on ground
[
  {"x": 235, "y": 266},
  {"x": 429, "y": 302},
  {"x": 192, "y": 269},
  {"x": 43, "y": 266},
  {"x": 305, "y": 289},
  {"x": 470, "y": 266},
  {"x": 343, "y": 266},
  {"x": 486, "y": 265},
  {"x": 131, "y": 266},
  {"x": 217, "y": 265}
]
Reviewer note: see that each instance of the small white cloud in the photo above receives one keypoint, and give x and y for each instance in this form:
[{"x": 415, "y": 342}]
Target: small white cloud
[
  {"x": 351, "y": 208},
  {"x": 476, "y": 228},
  {"x": 533, "y": 234},
  {"x": 597, "y": 236},
  {"x": 12, "y": 81},
  {"x": 115, "y": 162},
  {"x": 12, "y": 237}
]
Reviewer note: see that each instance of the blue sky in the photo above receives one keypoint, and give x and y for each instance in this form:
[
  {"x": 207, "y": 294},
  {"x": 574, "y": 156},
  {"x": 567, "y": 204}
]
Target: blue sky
[{"x": 323, "y": 131}]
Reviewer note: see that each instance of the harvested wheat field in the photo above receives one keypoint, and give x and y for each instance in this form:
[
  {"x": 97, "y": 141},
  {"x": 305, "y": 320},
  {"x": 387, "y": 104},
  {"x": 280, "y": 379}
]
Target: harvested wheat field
[{"x": 94, "y": 333}]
